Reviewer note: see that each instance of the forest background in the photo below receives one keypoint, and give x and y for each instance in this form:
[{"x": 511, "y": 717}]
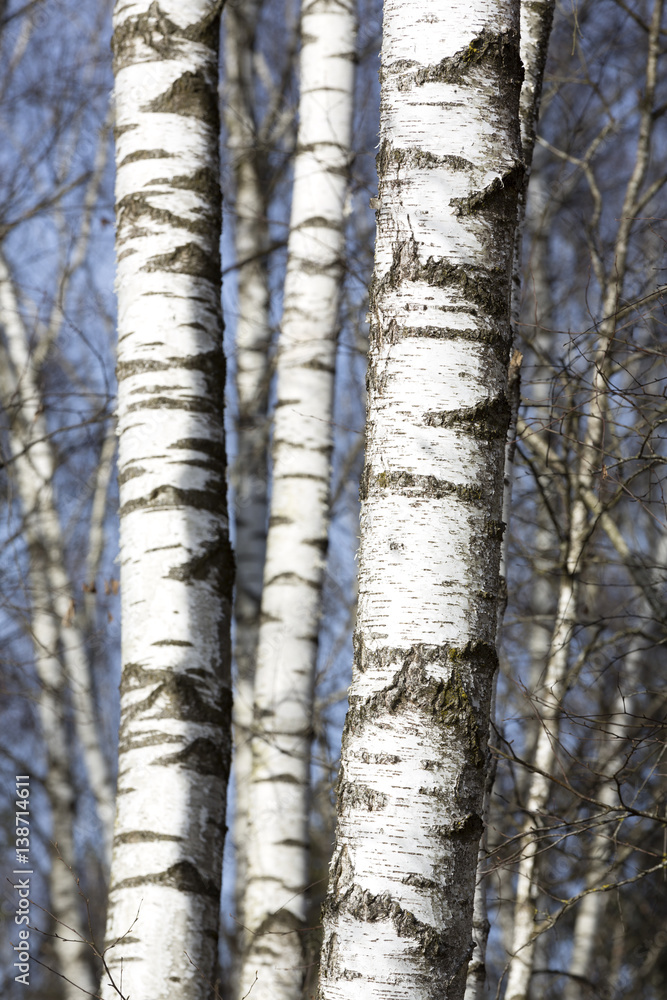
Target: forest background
[{"x": 576, "y": 833}]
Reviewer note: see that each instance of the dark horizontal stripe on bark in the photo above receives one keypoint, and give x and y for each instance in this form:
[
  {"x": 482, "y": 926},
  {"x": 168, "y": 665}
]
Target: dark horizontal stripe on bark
[
  {"x": 280, "y": 779},
  {"x": 211, "y": 363},
  {"x": 183, "y": 876},
  {"x": 487, "y": 288},
  {"x": 279, "y": 922},
  {"x": 325, "y": 144},
  {"x": 444, "y": 959},
  {"x": 353, "y": 795},
  {"x": 409, "y": 484},
  {"x": 204, "y": 756},
  {"x": 315, "y": 267},
  {"x": 391, "y": 156},
  {"x": 214, "y": 561},
  {"x": 152, "y": 390},
  {"x": 135, "y": 209},
  {"x": 449, "y": 703},
  {"x": 313, "y": 365},
  {"x": 203, "y": 181},
  {"x": 477, "y": 655},
  {"x": 155, "y": 30},
  {"x": 213, "y": 447},
  {"x": 497, "y": 52},
  {"x": 319, "y": 222},
  {"x": 276, "y": 521},
  {"x": 393, "y": 332},
  {"x": 172, "y": 496},
  {"x": 487, "y": 420},
  {"x": 191, "y": 94},
  {"x": 145, "y": 837},
  {"x": 179, "y": 695},
  {"x": 145, "y": 154},
  {"x": 171, "y": 642},
  {"x": 189, "y": 258},
  {"x": 131, "y": 472},
  {"x": 497, "y": 199},
  {"x": 317, "y": 449},
  {"x": 193, "y": 404},
  {"x": 303, "y": 475},
  {"x": 291, "y": 578}
]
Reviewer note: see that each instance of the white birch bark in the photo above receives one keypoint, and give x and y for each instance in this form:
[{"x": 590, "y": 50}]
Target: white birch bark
[
  {"x": 176, "y": 569},
  {"x": 252, "y": 342},
  {"x": 399, "y": 910},
  {"x": 275, "y": 905}
]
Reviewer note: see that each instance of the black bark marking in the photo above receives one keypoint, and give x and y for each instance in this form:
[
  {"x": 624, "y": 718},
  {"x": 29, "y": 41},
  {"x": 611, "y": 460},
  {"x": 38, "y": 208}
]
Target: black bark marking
[
  {"x": 487, "y": 420},
  {"x": 183, "y": 876},
  {"x": 172, "y": 695},
  {"x": 202, "y": 755},
  {"x": 189, "y": 258}
]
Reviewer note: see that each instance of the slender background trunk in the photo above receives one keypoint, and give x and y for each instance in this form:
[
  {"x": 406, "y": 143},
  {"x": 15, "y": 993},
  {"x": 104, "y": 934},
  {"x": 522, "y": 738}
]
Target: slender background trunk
[{"x": 275, "y": 901}]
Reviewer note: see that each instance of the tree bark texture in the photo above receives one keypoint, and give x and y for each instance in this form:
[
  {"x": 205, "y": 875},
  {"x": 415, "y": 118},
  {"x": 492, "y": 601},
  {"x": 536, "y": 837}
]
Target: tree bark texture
[
  {"x": 274, "y": 910},
  {"x": 176, "y": 564},
  {"x": 414, "y": 758}
]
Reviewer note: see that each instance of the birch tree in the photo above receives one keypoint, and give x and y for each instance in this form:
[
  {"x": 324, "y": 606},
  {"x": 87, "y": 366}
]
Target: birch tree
[
  {"x": 253, "y": 337},
  {"x": 399, "y": 909},
  {"x": 176, "y": 567},
  {"x": 259, "y": 124},
  {"x": 274, "y": 908}
]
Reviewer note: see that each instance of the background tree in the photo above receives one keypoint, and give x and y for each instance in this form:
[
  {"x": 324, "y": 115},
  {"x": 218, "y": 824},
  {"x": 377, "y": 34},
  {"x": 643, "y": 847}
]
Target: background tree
[
  {"x": 56, "y": 427},
  {"x": 274, "y": 908}
]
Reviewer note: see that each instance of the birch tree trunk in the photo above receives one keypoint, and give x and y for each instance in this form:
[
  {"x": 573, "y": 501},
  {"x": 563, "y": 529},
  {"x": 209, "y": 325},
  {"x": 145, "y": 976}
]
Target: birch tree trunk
[
  {"x": 253, "y": 337},
  {"x": 176, "y": 566},
  {"x": 275, "y": 905},
  {"x": 410, "y": 796}
]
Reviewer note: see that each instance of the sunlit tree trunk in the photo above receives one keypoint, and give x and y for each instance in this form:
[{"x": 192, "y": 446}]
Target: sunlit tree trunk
[
  {"x": 414, "y": 759},
  {"x": 176, "y": 567},
  {"x": 275, "y": 905}
]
